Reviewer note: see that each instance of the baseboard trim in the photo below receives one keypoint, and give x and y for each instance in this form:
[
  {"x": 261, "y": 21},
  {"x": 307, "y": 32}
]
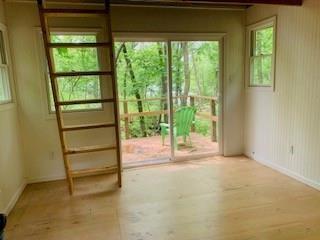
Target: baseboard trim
[
  {"x": 46, "y": 179},
  {"x": 291, "y": 174},
  {"x": 15, "y": 198}
]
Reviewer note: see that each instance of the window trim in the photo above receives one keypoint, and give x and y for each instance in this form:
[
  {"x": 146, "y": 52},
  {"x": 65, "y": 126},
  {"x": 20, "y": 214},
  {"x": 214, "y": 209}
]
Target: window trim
[
  {"x": 7, "y": 66},
  {"x": 44, "y": 67},
  {"x": 269, "y": 22}
]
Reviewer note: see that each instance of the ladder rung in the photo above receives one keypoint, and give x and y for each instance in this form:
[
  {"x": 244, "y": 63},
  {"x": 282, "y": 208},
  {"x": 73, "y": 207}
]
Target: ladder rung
[
  {"x": 89, "y": 149},
  {"x": 75, "y": 74},
  {"x": 88, "y": 126},
  {"x": 75, "y": 12},
  {"x": 93, "y": 171},
  {"x": 89, "y": 101},
  {"x": 79, "y": 45}
]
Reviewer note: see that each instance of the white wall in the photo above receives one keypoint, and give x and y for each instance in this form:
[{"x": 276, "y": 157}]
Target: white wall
[
  {"x": 40, "y": 135},
  {"x": 11, "y": 165},
  {"x": 290, "y": 116}
]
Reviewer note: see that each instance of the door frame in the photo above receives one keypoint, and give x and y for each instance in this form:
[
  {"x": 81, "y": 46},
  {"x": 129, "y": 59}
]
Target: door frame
[{"x": 171, "y": 37}]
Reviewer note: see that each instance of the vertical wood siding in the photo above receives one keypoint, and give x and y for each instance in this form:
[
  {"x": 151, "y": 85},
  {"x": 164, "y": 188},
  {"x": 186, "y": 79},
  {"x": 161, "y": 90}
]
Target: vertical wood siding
[{"x": 290, "y": 116}]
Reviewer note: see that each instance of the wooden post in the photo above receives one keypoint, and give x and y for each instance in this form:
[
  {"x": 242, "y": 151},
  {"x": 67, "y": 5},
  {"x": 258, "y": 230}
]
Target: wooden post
[
  {"x": 213, "y": 122},
  {"x": 193, "y": 127},
  {"x": 126, "y": 120}
]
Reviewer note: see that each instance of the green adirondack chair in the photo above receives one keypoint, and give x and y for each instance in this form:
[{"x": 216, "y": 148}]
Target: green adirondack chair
[{"x": 183, "y": 119}]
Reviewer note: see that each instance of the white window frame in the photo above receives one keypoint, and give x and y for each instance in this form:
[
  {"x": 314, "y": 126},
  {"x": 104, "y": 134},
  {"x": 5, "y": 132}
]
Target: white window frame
[
  {"x": 6, "y": 66},
  {"x": 251, "y": 29},
  {"x": 44, "y": 66}
]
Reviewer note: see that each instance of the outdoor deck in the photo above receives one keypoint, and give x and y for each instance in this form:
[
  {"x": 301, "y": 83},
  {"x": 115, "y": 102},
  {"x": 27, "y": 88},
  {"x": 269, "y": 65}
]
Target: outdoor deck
[{"x": 139, "y": 150}]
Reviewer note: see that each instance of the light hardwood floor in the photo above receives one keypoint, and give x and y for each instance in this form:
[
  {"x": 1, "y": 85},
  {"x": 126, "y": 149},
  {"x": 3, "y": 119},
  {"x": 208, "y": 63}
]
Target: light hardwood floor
[{"x": 220, "y": 198}]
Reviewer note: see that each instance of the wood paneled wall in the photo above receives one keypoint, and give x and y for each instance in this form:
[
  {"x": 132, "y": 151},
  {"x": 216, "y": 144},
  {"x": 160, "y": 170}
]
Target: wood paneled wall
[{"x": 282, "y": 128}]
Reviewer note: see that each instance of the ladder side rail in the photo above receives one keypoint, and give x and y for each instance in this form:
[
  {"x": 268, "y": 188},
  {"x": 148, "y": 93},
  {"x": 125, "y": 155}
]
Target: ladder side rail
[
  {"x": 46, "y": 40},
  {"x": 114, "y": 89}
]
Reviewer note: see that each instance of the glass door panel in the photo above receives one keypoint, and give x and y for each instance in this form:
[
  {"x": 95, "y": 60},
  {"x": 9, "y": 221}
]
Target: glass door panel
[
  {"x": 195, "y": 89},
  {"x": 142, "y": 92}
]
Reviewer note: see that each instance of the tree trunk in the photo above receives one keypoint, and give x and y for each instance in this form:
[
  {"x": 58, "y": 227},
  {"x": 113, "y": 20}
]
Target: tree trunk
[
  {"x": 163, "y": 103},
  {"x": 178, "y": 78},
  {"x": 136, "y": 89},
  {"x": 195, "y": 69},
  {"x": 124, "y": 93},
  {"x": 186, "y": 73},
  {"x": 118, "y": 53}
]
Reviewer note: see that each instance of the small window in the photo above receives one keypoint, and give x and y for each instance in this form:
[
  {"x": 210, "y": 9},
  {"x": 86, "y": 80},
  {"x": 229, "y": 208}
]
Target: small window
[
  {"x": 76, "y": 59},
  {"x": 262, "y": 56},
  {"x": 5, "y": 92}
]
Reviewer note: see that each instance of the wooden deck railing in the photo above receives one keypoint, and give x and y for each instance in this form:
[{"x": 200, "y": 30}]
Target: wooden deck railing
[{"x": 210, "y": 116}]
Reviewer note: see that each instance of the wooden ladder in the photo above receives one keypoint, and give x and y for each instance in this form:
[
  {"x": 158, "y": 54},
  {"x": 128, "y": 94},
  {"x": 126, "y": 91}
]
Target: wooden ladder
[{"x": 45, "y": 13}]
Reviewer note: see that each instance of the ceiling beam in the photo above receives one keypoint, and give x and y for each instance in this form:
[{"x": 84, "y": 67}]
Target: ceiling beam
[
  {"x": 189, "y": 3},
  {"x": 178, "y": 4},
  {"x": 250, "y": 2}
]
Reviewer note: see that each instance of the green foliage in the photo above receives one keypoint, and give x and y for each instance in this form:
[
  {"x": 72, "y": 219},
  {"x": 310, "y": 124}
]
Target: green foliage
[
  {"x": 148, "y": 61},
  {"x": 204, "y": 67},
  {"x": 264, "y": 41},
  {"x": 76, "y": 59},
  {"x": 135, "y": 130},
  {"x": 148, "y": 69},
  {"x": 261, "y": 62},
  {"x": 202, "y": 127},
  {"x": 4, "y": 85}
]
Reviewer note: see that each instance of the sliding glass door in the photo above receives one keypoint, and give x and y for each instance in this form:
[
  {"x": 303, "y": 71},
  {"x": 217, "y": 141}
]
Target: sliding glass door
[{"x": 168, "y": 92}]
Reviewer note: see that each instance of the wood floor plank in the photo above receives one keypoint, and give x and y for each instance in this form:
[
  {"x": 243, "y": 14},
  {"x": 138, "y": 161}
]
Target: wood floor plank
[{"x": 216, "y": 198}]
